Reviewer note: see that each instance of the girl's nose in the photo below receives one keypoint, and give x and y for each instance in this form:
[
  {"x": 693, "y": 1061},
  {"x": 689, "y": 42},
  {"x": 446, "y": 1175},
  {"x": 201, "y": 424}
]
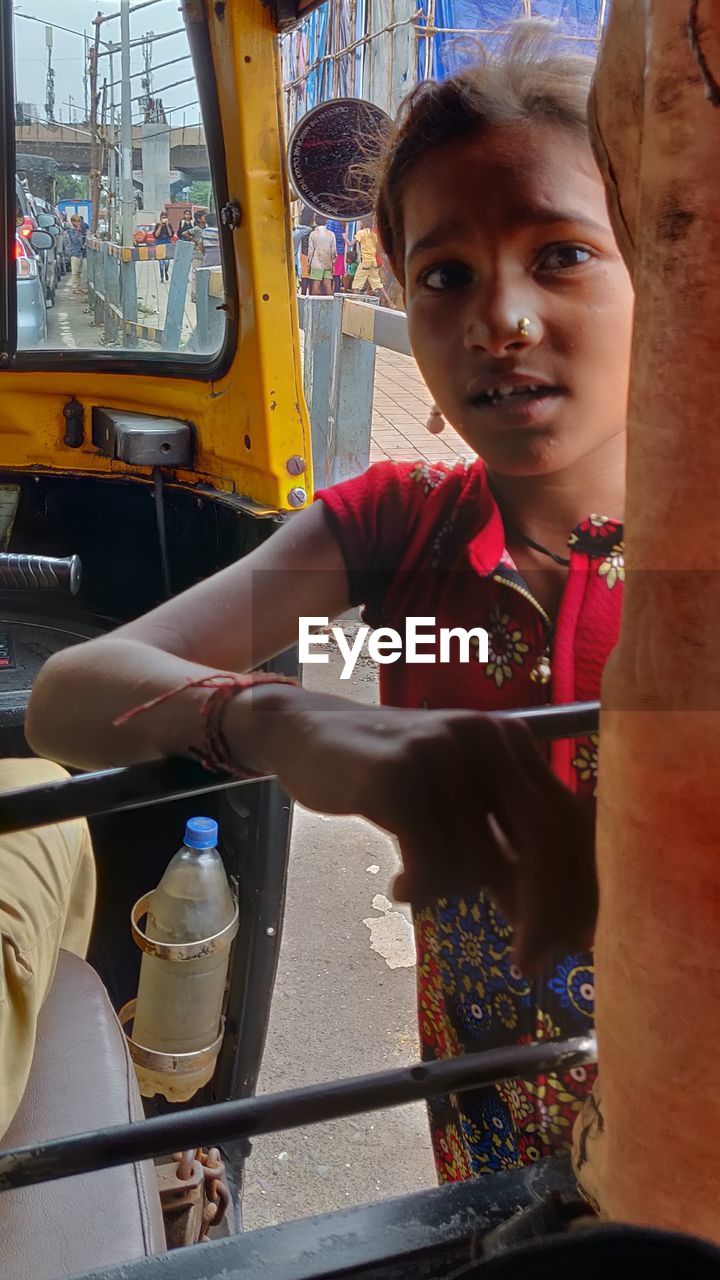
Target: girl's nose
[{"x": 503, "y": 331}]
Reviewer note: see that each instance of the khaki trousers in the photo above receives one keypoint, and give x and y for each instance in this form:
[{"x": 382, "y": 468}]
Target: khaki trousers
[{"x": 47, "y": 900}]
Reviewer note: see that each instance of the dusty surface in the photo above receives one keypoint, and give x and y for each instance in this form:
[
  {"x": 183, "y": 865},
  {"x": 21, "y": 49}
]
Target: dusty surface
[{"x": 344, "y": 1004}]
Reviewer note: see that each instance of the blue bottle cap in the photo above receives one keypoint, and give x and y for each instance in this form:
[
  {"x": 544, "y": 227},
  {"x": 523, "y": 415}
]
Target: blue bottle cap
[{"x": 201, "y": 833}]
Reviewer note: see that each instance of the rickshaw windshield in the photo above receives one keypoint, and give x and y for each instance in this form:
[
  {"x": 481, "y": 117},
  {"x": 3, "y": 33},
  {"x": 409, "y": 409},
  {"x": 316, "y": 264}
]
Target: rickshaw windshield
[{"x": 118, "y": 151}]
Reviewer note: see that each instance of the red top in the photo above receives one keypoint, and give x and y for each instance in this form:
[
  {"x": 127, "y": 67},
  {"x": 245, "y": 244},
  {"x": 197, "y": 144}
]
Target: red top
[{"x": 424, "y": 540}]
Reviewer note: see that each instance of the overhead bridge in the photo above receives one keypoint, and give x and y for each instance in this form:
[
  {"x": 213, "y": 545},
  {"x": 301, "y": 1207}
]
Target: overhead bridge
[{"x": 69, "y": 146}]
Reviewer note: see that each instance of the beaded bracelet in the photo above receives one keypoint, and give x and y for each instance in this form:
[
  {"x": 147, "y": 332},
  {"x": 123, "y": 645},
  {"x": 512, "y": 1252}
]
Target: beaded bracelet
[{"x": 214, "y": 752}]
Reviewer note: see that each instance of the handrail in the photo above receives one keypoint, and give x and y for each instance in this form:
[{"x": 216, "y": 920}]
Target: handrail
[
  {"x": 313, "y": 1104},
  {"x": 116, "y": 790}
]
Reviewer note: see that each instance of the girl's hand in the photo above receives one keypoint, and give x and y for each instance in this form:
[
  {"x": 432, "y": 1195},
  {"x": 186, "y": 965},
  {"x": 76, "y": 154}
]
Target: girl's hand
[{"x": 469, "y": 797}]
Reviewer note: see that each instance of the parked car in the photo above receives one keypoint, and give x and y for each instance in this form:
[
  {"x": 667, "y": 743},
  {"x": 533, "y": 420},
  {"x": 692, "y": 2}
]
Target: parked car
[
  {"x": 46, "y": 222},
  {"x": 31, "y": 309},
  {"x": 27, "y": 220},
  {"x": 64, "y": 241},
  {"x": 55, "y": 264}
]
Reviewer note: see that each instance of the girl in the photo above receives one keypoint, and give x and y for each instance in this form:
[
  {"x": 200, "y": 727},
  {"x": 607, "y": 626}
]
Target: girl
[
  {"x": 163, "y": 234},
  {"x": 492, "y": 214}
]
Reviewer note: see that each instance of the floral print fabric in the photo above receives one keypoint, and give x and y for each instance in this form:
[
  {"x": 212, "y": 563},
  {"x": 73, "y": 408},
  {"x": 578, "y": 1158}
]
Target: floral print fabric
[{"x": 422, "y": 540}]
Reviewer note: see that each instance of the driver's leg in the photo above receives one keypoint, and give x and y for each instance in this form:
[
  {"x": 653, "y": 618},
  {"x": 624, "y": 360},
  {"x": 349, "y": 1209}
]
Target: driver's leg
[{"x": 47, "y": 899}]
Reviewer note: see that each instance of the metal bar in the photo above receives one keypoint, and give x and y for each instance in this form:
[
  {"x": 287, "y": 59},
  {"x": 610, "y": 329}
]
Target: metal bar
[
  {"x": 162, "y": 35},
  {"x": 159, "y": 67},
  {"x": 145, "y": 4},
  {"x": 116, "y": 790},
  {"x": 156, "y": 92},
  {"x": 111, "y": 791},
  {"x": 313, "y": 1104}
]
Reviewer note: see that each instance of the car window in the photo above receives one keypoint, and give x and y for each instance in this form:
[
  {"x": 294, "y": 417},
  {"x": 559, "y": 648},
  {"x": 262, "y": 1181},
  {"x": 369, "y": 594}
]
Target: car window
[{"x": 120, "y": 275}]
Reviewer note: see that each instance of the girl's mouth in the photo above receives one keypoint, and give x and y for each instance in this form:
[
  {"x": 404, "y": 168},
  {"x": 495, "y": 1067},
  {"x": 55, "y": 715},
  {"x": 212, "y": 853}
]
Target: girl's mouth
[
  {"x": 524, "y": 405},
  {"x": 504, "y": 394}
]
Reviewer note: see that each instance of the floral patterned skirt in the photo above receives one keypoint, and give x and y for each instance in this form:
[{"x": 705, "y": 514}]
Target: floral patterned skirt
[{"x": 472, "y": 996}]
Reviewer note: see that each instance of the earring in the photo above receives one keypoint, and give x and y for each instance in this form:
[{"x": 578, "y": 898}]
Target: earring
[{"x": 435, "y": 421}]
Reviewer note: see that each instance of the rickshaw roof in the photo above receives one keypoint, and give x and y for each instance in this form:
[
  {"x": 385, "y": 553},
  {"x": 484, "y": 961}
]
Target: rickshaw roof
[{"x": 288, "y": 13}]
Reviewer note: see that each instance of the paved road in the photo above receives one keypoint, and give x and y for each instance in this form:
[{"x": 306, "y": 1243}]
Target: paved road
[{"x": 344, "y": 1003}]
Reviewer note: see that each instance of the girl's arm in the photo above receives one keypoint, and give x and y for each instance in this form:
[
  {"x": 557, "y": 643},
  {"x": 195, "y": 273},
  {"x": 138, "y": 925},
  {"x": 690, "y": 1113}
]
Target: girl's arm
[
  {"x": 469, "y": 798},
  {"x": 233, "y": 621}
]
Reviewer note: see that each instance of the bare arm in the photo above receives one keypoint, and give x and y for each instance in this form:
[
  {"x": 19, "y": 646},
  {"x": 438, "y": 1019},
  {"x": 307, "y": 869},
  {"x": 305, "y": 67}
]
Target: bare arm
[
  {"x": 231, "y": 622},
  {"x": 469, "y": 798}
]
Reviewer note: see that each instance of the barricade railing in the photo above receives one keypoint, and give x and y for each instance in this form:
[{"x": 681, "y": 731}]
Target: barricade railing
[
  {"x": 342, "y": 335},
  {"x": 113, "y": 291}
]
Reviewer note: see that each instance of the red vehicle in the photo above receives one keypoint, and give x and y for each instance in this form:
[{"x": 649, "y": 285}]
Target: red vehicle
[{"x": 143, "y": 234}]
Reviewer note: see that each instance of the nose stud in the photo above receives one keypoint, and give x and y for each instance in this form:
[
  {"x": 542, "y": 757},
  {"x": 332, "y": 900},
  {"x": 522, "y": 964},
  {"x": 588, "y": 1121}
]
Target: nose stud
[{"x": 524, "y": 327}]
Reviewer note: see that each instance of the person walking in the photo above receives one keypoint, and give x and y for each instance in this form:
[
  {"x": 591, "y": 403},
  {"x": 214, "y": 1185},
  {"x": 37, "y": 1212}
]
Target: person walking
[
  {"x": 186, "y": 225},
  {"x": 300, "y": 238},
  {"x": 368, "y": 273},
  {"x": 163, "y": 235},
  {"x": 338, "y": 230},
  {"x": 196, "y": 235},
  {"x": 322, "y": 251},
  {"x": 76, "y": 238}
]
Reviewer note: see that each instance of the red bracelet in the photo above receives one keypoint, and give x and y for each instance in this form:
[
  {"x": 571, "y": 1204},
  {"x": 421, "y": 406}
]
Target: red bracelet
[{"x": 214, "y": 753}]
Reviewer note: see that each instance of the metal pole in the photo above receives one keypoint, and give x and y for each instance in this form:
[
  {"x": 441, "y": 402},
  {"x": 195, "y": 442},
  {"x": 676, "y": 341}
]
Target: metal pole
[
  {"x": 128, "y": 194},
  {"x": 271, "y": 1113},
  {"x": 112, "y": 157},
  {"x": 94, "y": 136},
  {"x": 113, "y": 790}
]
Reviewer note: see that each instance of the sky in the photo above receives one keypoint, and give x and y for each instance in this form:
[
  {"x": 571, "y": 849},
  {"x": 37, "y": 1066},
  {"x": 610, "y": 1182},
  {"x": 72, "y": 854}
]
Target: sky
[{"x": 68, "y": 55}]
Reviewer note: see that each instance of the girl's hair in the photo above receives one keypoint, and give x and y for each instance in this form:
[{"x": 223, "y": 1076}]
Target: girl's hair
[{"x": 527, "y": 76}]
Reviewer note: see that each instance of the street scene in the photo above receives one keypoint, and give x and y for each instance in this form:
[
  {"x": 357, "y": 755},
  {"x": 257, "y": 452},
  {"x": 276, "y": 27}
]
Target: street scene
[
  {"x": 344, "y": 1000},
  {"x": 112, "y": 167}
]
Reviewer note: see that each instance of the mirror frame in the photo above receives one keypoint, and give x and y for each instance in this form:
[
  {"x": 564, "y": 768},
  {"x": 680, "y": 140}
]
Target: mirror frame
[{"x": 304, "y": 129}]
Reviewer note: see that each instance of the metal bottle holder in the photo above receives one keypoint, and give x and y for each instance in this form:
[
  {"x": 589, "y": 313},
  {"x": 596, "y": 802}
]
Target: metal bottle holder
[{"x": 174, "y": 1065}]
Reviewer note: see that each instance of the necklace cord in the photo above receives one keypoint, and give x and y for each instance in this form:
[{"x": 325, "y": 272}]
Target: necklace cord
[{"x": 538, "y": 546}]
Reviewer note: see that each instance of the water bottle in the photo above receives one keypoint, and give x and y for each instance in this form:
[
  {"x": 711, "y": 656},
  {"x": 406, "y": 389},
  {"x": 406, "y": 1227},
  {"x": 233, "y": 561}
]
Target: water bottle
[{"x": 182, "y": 986}]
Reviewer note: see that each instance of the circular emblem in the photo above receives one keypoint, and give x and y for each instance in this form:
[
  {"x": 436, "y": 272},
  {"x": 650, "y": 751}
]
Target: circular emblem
[{"x": 329, "y": 154}]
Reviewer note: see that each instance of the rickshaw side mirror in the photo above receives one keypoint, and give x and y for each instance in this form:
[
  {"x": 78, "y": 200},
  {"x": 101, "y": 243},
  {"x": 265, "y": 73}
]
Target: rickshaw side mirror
[
  {"x": 331, "y": 154},
  {"x": 40, "y": 240}
]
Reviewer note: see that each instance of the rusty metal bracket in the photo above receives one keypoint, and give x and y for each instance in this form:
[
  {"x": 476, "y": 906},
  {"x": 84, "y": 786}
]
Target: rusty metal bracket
[{"x": 181, "y": 1184}]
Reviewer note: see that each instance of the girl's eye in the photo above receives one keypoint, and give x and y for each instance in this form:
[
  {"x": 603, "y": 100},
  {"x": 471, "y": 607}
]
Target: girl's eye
[
  {"x": 451, "y": 275},
  {"x": 563, "y": 257}
]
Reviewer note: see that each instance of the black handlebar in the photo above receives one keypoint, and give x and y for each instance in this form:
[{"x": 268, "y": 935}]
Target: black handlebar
[
  {"x": 114, "y": 790},
  {"x": 40, "y": 573}
]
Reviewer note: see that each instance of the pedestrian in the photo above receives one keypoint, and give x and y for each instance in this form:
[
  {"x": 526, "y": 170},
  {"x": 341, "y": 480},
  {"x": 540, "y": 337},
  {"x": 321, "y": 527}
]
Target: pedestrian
[
  {"x": 307, "y": 221},
  {"x": 196, "y": 235},
  {"x": 76, "y": 240},
  {"x": 186, "y": 225},
  {"x": 322, "y": 251},
  {"x": 519, "y": 311},
  {"x": 163, "y": 234},
  {"x": 338, "y": 230},
  {"x": 351, "y": 265},
  {"x": 300, "y": 237},
  {"x": 211, "y": 241},
  {"x": 367, "y": 274}
]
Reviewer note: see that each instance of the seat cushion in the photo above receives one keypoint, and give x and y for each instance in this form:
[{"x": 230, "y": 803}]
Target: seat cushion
[{"x": 82, "y": 1078}]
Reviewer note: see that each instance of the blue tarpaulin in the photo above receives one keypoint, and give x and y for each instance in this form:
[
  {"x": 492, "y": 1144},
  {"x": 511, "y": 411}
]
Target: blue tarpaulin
[
  {"x": 316, "y": 76},
  {"x": 580, "y": 20}
]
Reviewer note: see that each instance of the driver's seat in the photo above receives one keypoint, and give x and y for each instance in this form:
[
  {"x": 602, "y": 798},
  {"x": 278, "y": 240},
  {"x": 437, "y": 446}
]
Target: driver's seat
[{"x": 82, "y": 1078}]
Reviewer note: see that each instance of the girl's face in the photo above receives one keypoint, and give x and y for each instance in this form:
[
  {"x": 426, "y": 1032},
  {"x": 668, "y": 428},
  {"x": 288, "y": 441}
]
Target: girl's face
[{"x": 506, "y": 226}]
